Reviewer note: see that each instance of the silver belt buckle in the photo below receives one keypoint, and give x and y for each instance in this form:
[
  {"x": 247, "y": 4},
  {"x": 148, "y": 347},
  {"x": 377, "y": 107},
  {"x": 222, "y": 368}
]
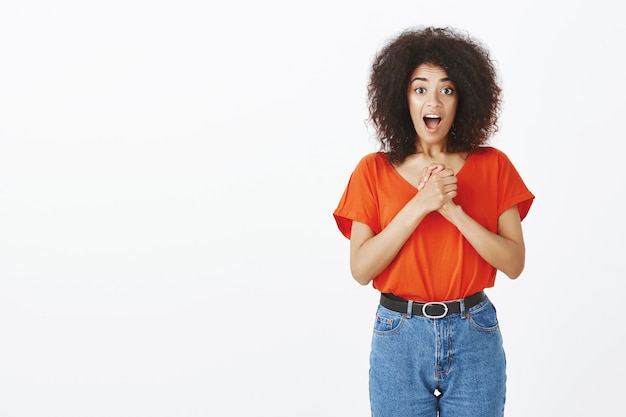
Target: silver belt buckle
[{"x": 445, "y": 310}]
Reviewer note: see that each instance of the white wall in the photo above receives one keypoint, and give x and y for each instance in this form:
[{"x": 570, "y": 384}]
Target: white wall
[{"x": 168, "y": 172}]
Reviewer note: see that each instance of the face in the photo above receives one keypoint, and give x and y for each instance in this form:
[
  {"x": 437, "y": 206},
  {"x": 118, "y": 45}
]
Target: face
[{"x": 432, "y": 101}]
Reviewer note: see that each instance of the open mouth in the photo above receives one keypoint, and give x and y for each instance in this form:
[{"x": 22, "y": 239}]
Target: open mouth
[{"x": 432, "y": 121}]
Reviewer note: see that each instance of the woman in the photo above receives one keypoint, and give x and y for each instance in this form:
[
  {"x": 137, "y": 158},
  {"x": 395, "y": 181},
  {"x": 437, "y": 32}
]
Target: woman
[{"x": 431, "y": 218}]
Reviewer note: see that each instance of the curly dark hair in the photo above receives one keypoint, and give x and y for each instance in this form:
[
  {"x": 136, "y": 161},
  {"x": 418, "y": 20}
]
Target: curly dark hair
[{"x": 468, "y": 64}]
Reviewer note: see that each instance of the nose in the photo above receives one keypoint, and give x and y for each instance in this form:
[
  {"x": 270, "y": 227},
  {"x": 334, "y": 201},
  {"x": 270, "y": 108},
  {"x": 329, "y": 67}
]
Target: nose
[{"x": 433, "y": 99}]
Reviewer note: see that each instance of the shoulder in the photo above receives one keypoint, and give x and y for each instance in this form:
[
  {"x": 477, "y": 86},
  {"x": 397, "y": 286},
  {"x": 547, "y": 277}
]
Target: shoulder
[
  {"x": 489, "y": 153},
  {"x": 374, "y": 157},
  {"x": 373, "y": 161}
]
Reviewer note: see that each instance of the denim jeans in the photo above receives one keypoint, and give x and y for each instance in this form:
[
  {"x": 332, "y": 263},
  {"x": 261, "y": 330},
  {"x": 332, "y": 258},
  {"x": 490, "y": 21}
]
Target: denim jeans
[{"x": 454, "y": 366}]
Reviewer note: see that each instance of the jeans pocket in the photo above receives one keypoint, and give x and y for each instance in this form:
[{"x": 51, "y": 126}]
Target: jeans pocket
[
  {"x": 387, "y": 321},
  {"x": 485, "y": 318}
]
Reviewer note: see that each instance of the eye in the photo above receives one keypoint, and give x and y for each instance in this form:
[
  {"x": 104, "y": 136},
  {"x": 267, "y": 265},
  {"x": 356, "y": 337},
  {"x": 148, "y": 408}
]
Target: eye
[
  {"x": 447, "y": 91},
  {"x": 420, "y": 90}
]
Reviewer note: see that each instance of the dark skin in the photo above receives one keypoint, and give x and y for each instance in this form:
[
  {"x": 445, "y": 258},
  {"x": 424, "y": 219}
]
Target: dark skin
[{"x": 432, "y": 171}]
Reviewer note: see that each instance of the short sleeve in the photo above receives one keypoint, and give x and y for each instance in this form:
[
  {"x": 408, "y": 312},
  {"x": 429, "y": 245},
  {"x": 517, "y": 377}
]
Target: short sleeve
[
  {"x": 511, "y": 188},
  {"x": 359, "y": 200}
]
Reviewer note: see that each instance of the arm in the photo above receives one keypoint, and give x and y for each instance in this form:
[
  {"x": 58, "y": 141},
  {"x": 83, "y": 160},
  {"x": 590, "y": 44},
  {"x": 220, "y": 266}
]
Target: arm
[
  {"x": 371, "y": 253},
  {"x": 504, "y": 250}
]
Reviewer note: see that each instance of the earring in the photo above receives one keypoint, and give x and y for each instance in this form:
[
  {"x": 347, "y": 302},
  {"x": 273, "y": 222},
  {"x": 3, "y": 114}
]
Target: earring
[{"x": 453, "y": 131}]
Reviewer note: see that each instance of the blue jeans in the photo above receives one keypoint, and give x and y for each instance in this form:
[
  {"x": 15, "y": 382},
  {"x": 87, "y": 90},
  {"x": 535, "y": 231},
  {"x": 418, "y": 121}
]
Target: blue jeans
[{"x": 452, "y": 367}]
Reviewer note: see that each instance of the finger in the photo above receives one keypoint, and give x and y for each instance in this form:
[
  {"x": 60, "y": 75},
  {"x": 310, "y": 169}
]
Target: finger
[
  {"x": 436, "y": 167},
  {"x": 448, "y": 188},
  {"x": 451, "y": 194},
  {"x": 426, "y": 174},
  {"x": 446, "y": 172}
]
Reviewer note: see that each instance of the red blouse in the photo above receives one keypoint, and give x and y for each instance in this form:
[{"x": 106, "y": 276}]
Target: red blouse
[{"x": 436, "y": 263}]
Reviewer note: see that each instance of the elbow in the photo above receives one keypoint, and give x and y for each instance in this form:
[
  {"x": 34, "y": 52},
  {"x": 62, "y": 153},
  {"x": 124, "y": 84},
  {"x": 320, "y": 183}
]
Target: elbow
[
  {"x": 514, "y": 264},
  {"x": 513, "y": 275},
  {"x": 514, "y": 269},
  {"x": 360, "y": 276},
  {"x": 362, "y": 281}
]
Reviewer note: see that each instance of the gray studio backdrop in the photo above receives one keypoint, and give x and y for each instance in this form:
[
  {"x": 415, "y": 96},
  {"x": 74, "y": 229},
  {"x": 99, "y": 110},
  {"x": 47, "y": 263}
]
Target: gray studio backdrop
[{"x": 168, "y": 172}]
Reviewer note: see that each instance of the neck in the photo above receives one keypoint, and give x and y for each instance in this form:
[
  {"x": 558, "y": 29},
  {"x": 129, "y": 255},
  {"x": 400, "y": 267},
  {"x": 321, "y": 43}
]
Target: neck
[{"x": 431, "y": 149}]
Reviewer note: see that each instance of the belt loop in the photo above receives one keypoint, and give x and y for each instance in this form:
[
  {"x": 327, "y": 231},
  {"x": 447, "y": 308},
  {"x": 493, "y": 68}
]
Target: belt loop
[
  {"x": 409, "y": 309},
  {"x": 462, "y": 305}
]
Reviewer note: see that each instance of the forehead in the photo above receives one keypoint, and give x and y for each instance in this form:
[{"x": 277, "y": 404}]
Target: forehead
[{"x": 429, "y": 72}]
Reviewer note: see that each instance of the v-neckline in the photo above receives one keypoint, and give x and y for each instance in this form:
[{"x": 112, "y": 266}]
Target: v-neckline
[{"x": 404, "y": 180}]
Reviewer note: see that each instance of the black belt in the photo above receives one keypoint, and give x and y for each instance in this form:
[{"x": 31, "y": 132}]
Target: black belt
[{"x": 433, "y": 310}]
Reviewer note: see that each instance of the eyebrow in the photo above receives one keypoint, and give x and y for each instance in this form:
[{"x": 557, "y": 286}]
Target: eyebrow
[{"x": 426, "y": 79}]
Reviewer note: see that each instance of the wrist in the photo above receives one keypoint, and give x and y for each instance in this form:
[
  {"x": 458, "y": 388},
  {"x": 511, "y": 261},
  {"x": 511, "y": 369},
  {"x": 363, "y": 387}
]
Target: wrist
[{"x": 452, "y": 211}]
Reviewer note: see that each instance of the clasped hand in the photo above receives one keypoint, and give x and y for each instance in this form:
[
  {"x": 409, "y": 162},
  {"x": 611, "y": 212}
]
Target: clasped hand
[{"x": 438, "y": 187}]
